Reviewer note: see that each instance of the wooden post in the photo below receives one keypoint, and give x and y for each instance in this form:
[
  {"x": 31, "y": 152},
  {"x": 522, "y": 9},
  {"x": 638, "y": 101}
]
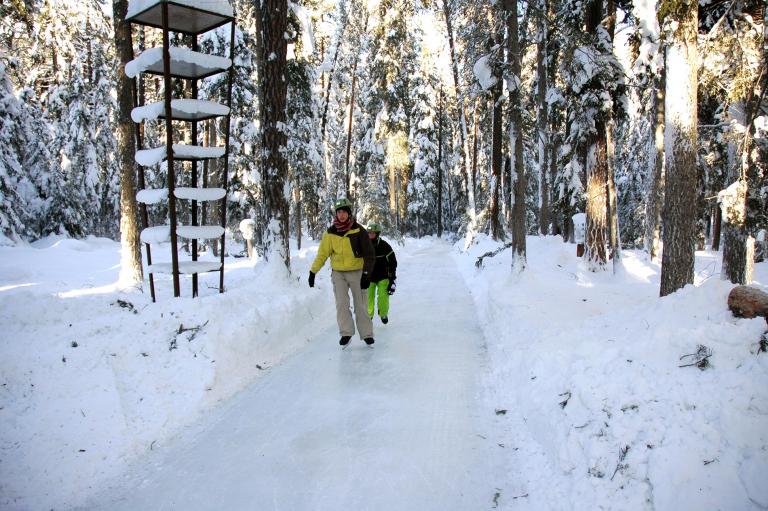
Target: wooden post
[
  {"x": 169, "y": 149},
  {"x": 194, "y": 178},
  {"x": 225, "y": 176},
  {"x": 142, "y": 185}
]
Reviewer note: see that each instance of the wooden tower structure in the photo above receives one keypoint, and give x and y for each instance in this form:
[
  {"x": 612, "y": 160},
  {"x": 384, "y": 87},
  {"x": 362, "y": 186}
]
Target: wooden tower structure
[{"x": 191, "y": 18}]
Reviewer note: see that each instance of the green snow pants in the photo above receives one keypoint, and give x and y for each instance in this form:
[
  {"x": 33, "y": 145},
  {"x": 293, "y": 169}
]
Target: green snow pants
[{"x": 379, "y": 287}]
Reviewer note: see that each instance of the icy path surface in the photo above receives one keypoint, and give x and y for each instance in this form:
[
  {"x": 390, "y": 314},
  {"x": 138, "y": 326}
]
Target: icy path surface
[{"x": 400, "y": 426}]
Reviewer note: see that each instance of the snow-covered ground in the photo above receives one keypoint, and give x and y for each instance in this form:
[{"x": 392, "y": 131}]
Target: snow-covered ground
[
  {"x": 601, "y": 414},
  {"x": 554, "y": 389}
]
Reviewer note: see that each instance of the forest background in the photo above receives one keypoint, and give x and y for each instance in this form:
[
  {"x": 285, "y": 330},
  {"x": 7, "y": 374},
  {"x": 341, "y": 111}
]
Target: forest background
[{"x": 461, "y": 117}]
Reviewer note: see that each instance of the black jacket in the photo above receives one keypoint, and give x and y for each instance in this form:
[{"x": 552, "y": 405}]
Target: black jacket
[{"x": 386, "y": 262}]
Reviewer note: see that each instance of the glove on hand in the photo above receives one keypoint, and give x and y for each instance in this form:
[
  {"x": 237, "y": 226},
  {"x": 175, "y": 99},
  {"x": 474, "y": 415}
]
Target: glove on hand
[
  {"x": 365, "y": 281},
  {"x": 391, "y": 287},
  {"x": 311, "y": 279}
]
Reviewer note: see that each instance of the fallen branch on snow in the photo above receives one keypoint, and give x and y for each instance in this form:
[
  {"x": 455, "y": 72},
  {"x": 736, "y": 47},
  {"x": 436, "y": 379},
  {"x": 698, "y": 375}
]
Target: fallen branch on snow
[{"x": 479, "y": 262}]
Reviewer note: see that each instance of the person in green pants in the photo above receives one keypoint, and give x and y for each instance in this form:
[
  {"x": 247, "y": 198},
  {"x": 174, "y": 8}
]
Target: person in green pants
[{"x": 383, "y": 275}]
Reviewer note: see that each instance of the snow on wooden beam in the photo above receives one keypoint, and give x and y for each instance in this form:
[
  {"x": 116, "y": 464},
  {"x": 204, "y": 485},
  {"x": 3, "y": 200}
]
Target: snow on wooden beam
[
  {"x": 185, "y": 63},
  {"x": 182, "y": 109},
  {"x": 155, "y": 235},
  {"x": 199, "y": 194},
  {"x": 148, "y": 157},
  {"x": 186, "y": 267},
  {"x": 186, "y": 16},
  {"x": 200, "y": 232},
  {"x": 152, "y": 195}
]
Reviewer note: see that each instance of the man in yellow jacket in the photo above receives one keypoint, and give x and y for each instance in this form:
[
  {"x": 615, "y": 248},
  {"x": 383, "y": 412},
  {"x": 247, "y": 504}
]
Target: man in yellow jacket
[{"x": 352, "y": 258}]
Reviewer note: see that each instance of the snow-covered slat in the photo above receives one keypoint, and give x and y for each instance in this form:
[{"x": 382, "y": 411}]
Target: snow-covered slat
[
  {"x": 158, "y": 234},
  {"x": 181, "y": 109},
  {"x": 148, "y": 157},
  {"x": 152, "y": 195},
  {"x": 185, "y": 63},
  {"x": 200, "y": 232},
  {"x": 186, "y": 267},
  {"x": 199, "y": 194},
  {"x": 215, "y": 6},
  {"x": 187, "y": 16}
]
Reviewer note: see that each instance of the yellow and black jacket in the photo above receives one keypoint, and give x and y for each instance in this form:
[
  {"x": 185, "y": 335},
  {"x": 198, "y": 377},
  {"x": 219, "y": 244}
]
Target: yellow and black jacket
[{"x": 349, "y": 251}]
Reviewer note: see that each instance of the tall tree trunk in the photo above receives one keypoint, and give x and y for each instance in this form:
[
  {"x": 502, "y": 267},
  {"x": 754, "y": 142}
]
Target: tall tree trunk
[
  {"x": 542, "y": 116},
  {"x": 656, "y": 190},
  {"x": 440, "y": 163},
  {"x": 274, "y": 24},
  {"x": 131, "y": 272},
  {"x": 597, "y": 171},
  {"x": 680, "y": 146},
  {"x": 463, "y": 138},
  {"x": 297, "y": 206},
  {"x": 347, "y": 173},
  {"x": 475, "y": 144},
  {"x": 496, "y": 231},
  {"x": 519, "y": 260},
  {"x": 738, "y": 246},
  {"x": 614, "y": 240},
  {"x": 597, "y": 221},
  {"x": 717, "y": 219}
]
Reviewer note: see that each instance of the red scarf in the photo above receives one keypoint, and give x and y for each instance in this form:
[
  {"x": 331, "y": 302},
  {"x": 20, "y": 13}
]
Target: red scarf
[{"x": 343, "y": 226}]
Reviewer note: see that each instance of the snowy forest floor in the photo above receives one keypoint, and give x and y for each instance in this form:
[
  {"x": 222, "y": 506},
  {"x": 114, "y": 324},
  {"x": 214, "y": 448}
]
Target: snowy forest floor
[{"x": 555, "y": 389}]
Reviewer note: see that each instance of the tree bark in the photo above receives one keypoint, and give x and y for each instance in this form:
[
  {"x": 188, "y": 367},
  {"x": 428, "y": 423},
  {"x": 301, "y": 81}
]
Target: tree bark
[
  {"x": 656, "y": 191},
  {"x": 131, "y": 272},
  {"x": 542, "y": 116},
  {"x": 274, "y": 16},
  {"x": 496, "y": 231},
  {"x": 597, "y": 171},
  {"x": 463, "y": 138},
  {"x": 440, "y": 163},
  {"x": 519, "y": 261},
  {"x": 680, "y": 137}
]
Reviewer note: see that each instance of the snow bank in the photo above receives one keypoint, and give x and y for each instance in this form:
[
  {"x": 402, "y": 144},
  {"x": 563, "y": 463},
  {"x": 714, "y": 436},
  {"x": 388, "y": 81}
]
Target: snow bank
[
  {"x": 216, "y": 6},
  {"x": 94, "y": 377},
  {"x": 588, "y": 366}
]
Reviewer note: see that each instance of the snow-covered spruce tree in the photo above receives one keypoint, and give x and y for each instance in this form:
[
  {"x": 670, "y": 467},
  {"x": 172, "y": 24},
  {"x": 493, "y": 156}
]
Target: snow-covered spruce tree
[
  {"x": 245, "y": 195},
  {"x": 515, "y": 133},
  {"x": 680, "y": 22},
  {"x": 454, "y": 19},
  {"x": 594, "y": 79},
  {"x": 733, "y": 69},
  {"x": 12, "y": 225},
  {"x": 275, "y": 168},
  {"x": 76, "y": 91},
  {"x": 422, "y": 188},
  {"x": 640, "y": 152},
  {"x": 304, "y": 152}
]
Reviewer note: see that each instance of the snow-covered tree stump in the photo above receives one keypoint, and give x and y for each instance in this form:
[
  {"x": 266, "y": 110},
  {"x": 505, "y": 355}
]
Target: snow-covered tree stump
[
  {"x": 748, "y": 302},
  {"x": 248, "y": 228}
]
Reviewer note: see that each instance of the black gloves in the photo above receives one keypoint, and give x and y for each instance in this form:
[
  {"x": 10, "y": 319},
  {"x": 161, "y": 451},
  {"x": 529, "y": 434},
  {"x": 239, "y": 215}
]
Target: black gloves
[
  {"x": 365, "y": 281},
  {"x": 311, "y": 279},
  {"x": 391, "y": 287}
]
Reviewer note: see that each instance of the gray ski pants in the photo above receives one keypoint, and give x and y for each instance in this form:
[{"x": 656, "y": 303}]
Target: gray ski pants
[{"x": 343, "y": 282}]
